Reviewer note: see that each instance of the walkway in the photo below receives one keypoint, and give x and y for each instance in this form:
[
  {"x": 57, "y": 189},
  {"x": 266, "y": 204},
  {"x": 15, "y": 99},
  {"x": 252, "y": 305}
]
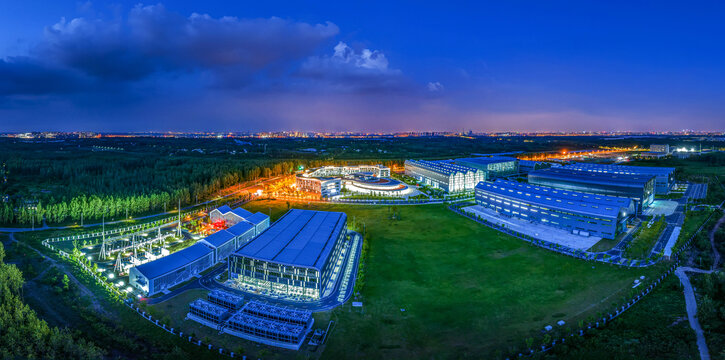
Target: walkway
[
  {"x": 690, "y": 300},
  {"x": 691, "y": 305}
]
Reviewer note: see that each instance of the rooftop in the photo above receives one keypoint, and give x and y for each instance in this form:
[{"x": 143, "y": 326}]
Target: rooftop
[
  {"x": 442, "y": 166},
  {"x": 571, "y": 201},
  {"x": 242, "y": 213},
  {"x": 257, "y": 218},
  {"x": 486, "y": 160},
  {"x": 219, "y": 238},
  {"x": 174, "y": 261},
  {"x": 224, "y": 209},
  {"x": 624, "y": 169},
  {"x": 240, "y": 228},
  {"x": 299, "y": 238},
  {"x": 629, "y": 180},
  {"x": 612, "y": 201}
]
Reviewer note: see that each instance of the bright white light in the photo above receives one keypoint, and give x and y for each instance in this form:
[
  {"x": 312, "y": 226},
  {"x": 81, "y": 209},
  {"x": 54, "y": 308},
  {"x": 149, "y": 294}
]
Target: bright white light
[
  {"x": 129, "y": 289},
  {"x": 138, "y": 296},
  {"x": 90, "y": 258},
  {"x": 111, "y": 275},
  {"x": 120, "y": 283}
]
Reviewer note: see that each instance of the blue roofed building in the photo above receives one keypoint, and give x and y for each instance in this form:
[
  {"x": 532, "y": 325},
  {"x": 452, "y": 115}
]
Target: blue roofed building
[
  {"x": 664, "y": 176},
  {"x": 494, "y": 166},
  {"x": 259, "y": 220},
  {"x": 580, "y": 213},
  {"x": 222, "y": 242},
  {"x": 638, "y": 187},
  {"x": 295, "y": 256},
  {"x": 228, "y": 216},
  {"x": 443, "y": 174},
  {"x": 243, "y": 232},
  {"x": 166, "y": 272}
]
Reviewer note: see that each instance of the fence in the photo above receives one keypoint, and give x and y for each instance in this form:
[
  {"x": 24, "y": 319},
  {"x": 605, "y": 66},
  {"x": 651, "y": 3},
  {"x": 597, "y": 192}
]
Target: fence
[{"x": 621, "y": 309}]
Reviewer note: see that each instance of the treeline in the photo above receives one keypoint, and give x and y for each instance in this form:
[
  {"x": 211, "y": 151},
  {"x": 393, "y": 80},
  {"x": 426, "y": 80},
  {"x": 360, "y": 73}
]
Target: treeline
[
  {"x": 23, "y": 335},
  {"x": 190, "y": 185}
]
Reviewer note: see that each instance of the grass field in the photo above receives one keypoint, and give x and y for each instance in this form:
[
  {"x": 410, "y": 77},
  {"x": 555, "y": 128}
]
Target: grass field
[
  {"x": 467, "y": 291},
  {"x": 645, "y": 239},
  {"x": 607, "y": 244}
]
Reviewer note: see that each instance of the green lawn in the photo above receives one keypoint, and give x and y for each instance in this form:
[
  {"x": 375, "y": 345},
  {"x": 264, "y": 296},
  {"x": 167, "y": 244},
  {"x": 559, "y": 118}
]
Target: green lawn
[
  {"x": 607, "y": 244},
  {"x": 644, "y": 239},
  {"x": 468, "y": 291},
  {"x": 693, "y": 220}
]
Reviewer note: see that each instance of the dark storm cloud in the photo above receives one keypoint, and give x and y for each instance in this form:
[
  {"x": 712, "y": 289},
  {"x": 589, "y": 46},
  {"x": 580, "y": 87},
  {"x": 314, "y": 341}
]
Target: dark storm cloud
[
  {"x": 28, "y": 76},
  {"x": 152, "y": 40}
]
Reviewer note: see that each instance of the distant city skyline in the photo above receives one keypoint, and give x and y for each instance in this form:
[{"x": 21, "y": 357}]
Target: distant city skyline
[{"x": 376, "y": 67}]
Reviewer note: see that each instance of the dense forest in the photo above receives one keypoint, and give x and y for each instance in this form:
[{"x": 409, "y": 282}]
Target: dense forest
[{"x": 23, "y": 334}]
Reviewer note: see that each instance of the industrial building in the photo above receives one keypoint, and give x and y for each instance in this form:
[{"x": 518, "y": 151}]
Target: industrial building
[
  {"x": 345, "y": 170},
  {"x": 580, "y": 213},
  {"x": 227, "y": 215},
  {"x": 165, "y": 272},
  {"x": 325, "y": 186},
  {"x": 664, "y": 176},
  {"x": 222, "y": 243},
  {"x": 327, "y": 180},
  {"x": 639, "y": 188},
  {"x": 295, "y": 256},
  {"x": 660, "y": 148},
  {"x": 493, "y": 166},
  {"x": 444, "y": 175},
  {"x": 527, "y": 166},
  {"x": 162, "y": 274},
  {"x": 224, "y": 215}
]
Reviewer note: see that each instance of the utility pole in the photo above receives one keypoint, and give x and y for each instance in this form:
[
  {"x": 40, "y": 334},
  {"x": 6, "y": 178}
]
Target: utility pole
[
  {"x": 178, "y": 233},
  {"x": 104, "y": 251}
]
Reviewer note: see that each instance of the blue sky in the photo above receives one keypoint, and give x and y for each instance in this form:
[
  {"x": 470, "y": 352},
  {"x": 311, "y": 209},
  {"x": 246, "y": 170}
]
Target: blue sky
[{"x": 376, "y": 66}]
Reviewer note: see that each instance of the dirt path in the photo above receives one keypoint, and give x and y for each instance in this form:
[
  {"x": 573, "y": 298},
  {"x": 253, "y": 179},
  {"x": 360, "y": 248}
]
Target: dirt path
[
  {"x": 712, "y": 242},
  {"x": 691, "y": 305},
  {"x": 83, "y": 289}
]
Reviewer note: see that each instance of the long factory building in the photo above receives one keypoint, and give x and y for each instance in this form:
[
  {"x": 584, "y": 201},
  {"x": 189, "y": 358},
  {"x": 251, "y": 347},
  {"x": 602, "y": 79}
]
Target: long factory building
[
  {"x": 639, "y": 188},
  {"x": 166, "y": 272},
  {"x": 444, "y": 175},
  {"x": 294, "y": 257},
  {"x": 664, "y": 176},
  {"x": 580, "y": 213}
]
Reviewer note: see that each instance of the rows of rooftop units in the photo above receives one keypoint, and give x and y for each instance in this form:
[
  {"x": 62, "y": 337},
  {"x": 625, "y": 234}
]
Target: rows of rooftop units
[{"x": 257, "y": 321}]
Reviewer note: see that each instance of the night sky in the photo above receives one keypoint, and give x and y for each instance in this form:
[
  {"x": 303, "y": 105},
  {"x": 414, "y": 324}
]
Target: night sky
[{"x": 362, "y": 66}]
